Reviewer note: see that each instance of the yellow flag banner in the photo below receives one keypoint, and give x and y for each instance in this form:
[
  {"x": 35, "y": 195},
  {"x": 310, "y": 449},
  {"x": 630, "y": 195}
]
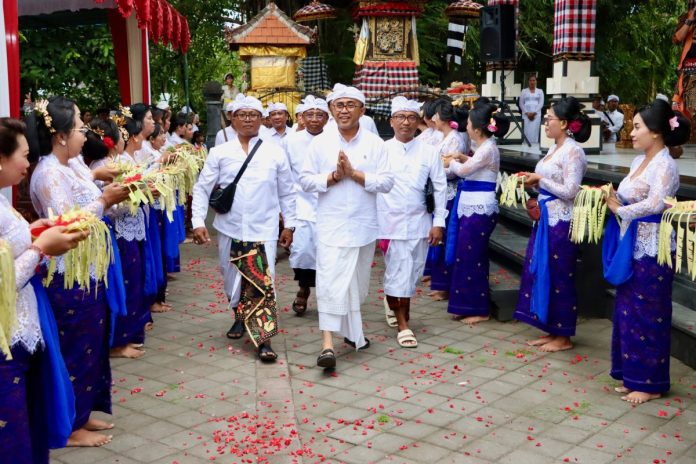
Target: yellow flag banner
[
  {"x": 270, "y": 50},
  {"x": 362, "y": 44},
  {"x": 272, "y": 72}
]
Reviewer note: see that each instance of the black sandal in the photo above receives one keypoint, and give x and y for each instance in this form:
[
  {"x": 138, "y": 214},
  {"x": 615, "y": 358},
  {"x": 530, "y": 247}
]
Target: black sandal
[
  {"x": 266, "y": 353},
  {"x": 300, "y": 308},
  {"x": 352, "y": 344},
  {"x": 237, "y": 330},
  {"x": 327, "y": 359}
]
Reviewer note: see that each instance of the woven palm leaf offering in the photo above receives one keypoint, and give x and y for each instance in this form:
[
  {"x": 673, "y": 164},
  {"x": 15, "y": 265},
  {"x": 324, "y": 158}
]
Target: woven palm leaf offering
[
  {"x": 93, "y": 253},
  {"x": 137, "y": 181},
  {"x": 683, "y": 214},
  {"x": 512, "y": 193},
  {"x": 8, "y": 298},
  {"x": 589, "y": 211}
]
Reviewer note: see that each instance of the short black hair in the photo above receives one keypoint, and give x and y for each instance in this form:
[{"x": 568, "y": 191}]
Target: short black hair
[
  {"x": 10, "y": 130},
  {"x": 177, "y": 122}
]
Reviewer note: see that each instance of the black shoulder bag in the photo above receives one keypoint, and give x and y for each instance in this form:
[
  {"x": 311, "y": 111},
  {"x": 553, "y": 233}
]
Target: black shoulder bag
[
  {"x": 221, "y": 199},
  {"x": 429, "y": 195}
]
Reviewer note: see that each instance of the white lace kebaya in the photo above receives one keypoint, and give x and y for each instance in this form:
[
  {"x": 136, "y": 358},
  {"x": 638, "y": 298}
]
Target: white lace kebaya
[
  {"x": 15, "y": 231},
  {"x": 483, "y": 167},
  {"x": 562, "y": 171},
  {"x": 644, "y": 195},
  {"x": 454, "y": 142}
]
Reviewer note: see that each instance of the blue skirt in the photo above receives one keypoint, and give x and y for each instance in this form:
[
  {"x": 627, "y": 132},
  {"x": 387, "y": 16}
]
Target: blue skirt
[
  {"x": 563, "y": 301},
  {"x": 470, "y": 293},
  {"x": 83, "y": 325},
  {"x": 640, "y": 342},
  {"x": 131, "y": 328},
  {"x": 435, "y": 267}
]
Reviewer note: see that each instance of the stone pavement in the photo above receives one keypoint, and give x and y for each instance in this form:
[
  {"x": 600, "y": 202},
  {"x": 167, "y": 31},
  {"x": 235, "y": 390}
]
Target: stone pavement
[{"x": 465, "y": 395}]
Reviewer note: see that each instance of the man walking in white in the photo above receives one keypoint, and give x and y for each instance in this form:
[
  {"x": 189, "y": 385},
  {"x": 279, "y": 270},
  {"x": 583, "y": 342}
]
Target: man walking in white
[
  {"x": 531, "y": 102},
  {"x": 228, "y": 133},
  {"x": 403, "y": 216},
  {"x": 248, "y": 232},
  {"x": 303, "y": 261},
  {"x": 347, "y": 167},
  {"x": 612, "y": 123}
]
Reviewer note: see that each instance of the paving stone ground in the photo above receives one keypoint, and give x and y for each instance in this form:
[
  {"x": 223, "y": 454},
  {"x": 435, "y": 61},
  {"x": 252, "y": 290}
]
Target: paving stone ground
[{"x": 465, "y": 395}]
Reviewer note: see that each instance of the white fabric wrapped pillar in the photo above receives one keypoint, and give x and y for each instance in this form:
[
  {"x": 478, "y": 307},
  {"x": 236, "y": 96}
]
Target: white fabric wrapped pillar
[{"x": 138, "y": 61}]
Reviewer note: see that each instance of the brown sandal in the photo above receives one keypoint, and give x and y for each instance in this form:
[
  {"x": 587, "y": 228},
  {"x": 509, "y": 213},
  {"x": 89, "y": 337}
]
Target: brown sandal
[{"x": 300, "y": 303}]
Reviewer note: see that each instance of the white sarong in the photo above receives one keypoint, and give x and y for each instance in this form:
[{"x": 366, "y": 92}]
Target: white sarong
[
  {"x": 231, "y": 277},
  {"x": 404, "y": 261},
  {"x": 343, "y": 280},
  {"x": 303, "y": 251}
]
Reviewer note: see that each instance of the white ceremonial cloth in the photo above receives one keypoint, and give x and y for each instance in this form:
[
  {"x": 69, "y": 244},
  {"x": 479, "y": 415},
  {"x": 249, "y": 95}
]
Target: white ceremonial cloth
[
  {"x": 404, "y": 264},
  {"x": 532, "y": 102},
  {"x": 303, "y": 251},
  {"x": 402, "y": 212},
  {"x": 343, "y": 280}
]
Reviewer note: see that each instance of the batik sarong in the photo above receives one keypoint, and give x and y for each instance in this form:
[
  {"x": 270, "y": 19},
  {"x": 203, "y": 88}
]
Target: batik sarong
[
  {"x": 257, "y": 304},
  {"x": 470, "y": 294},
  {"x": 642, "y": 328},
  {"x": 563, "y": 311}
]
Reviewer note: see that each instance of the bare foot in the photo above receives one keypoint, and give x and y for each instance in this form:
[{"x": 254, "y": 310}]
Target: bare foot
[
  {"x": 557, "y": 344},
  {"x": 473, "y": 320},
  {"x": 159, "y": 308},
  {"x": 126, "y": 352},
  {"x": 95, "y": 425},
  {"x": 170, "y": 277},
  {"x": 440, "y": 296},
  {"x": 623, "y": 390},
  {"x": 426, "y": 279},
  {"x": 637, "y": 397},
  {"x": 84, "y": 437},
  {"x": 149, "y": 326},
  {"x": 541, "y": 341},
  {"x": 432, "y": 293}
]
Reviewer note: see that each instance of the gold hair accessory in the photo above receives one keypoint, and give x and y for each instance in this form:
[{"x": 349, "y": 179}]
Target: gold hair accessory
[
  {"x": 99, "y": 131},
  {"x": 125, "y": 110},
  {"x": 41, "y": 107}
]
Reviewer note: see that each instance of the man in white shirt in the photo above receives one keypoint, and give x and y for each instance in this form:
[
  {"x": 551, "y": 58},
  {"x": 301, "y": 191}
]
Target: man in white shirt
[
  {"x": 531, "y": 102},
  {"x": 612, "y": 123},
  {"x": 347, "y": 167},
  {"x": 250, "y": 228},
  {"x": 403, "y": 218},
  {"x": 299, "y": 123},
  {"x": 228, "y": 133},
  {"x": 315, "y": 113},
  {"x": 279, "y": 130}
]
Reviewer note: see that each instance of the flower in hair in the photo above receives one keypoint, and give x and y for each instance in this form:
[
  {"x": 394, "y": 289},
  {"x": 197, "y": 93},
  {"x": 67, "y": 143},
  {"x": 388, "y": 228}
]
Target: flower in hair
[
  {"x": 109, "y": 142},
  {"x": 575, "y": 126},
  {"x": 454, "y": 124},
  {"x": 673, "y": 123},
  {"x": 492, "y": 127},
  {"x": 41, "y": 107}
]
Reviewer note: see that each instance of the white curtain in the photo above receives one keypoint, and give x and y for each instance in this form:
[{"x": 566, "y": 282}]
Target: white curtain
[{"x": 38, "y": 7}]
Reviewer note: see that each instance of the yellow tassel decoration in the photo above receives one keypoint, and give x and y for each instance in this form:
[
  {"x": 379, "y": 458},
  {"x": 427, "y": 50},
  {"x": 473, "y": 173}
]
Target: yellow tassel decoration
[
  {"x": 8, "y": 298},
  {"x": 683, "y": 213},
  {"x": 95, "y": 252},
  {"x": 589, "y": 211},
  {"x": 512, "y": 193}
]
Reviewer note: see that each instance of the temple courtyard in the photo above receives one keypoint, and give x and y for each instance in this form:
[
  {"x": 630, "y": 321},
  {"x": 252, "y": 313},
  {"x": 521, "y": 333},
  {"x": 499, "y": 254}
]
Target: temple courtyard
[{"x": 465, "y": 395}]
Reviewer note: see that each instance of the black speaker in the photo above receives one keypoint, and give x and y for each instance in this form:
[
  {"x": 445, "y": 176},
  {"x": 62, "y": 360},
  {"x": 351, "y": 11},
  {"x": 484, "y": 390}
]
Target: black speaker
[{"x": 498, "y": 33}]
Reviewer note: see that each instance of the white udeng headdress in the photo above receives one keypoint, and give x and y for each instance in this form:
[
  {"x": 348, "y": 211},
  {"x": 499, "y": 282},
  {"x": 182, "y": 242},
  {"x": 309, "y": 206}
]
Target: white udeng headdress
[
  {"x": 404, "y": 104},
  {"x": 344, "y": 91}
]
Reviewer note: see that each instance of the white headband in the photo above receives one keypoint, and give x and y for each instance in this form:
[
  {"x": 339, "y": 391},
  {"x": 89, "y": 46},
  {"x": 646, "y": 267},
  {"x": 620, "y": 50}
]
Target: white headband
[
  {"x": 403, "y": 104},
  {"x": 313, "y": 103},
  {"x": 277, "y": 107},
  {"x": 243, "y": 102},
  {"x": 343, "y": 91},
  {"x": 613, "y": 97}
]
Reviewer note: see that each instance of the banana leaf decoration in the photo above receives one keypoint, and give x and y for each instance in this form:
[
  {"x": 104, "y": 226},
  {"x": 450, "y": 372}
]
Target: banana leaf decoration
[
  {"x": 512, "y": 193},
  {"x": 683, "y": 213},
  {"x": 589, "y": 212},
  {"x": 8, "y": 298},
  {"x": 95, "y": 252}
]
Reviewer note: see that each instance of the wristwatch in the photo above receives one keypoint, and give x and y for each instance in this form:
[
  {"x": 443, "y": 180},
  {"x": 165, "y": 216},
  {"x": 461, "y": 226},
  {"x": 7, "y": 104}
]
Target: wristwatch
[{"x": 291, "y": 229}]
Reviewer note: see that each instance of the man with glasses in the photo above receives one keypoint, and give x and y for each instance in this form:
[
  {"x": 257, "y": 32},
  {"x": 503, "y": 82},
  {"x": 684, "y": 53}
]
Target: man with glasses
[
  {"x": 315, "y": 114},
  {"x": 403, "y": 216},
  {"x": 347, "y": 167},
  {"x": 248, "y": 233}
]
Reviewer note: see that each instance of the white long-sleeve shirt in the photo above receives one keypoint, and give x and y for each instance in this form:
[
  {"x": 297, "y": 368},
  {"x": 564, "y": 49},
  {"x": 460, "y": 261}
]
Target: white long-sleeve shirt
[
  {"x": 482, "y": 167},
  {"x": 402, "y": 213},
  {"x": 296, "y": 149},
  {"x": 347, "y": 211},
  {"x": 366, "y": 122},
  {"x": 265, "y": 189},
  {"x": 614, "y": 125},
  {"x": 220, "y": 136},
  {"x": 532, "y": 102}
]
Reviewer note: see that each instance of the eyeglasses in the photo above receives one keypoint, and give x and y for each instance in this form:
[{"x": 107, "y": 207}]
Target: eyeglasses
[
  {"x": 82, "y": 130},
  {"x": 402, "y": 117},
  {"x": 350, "y": 106},
  {"x": 319, "y": 115},
  {"x": 248, "y": 116},
  {"x": 551, "y": 118}
]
